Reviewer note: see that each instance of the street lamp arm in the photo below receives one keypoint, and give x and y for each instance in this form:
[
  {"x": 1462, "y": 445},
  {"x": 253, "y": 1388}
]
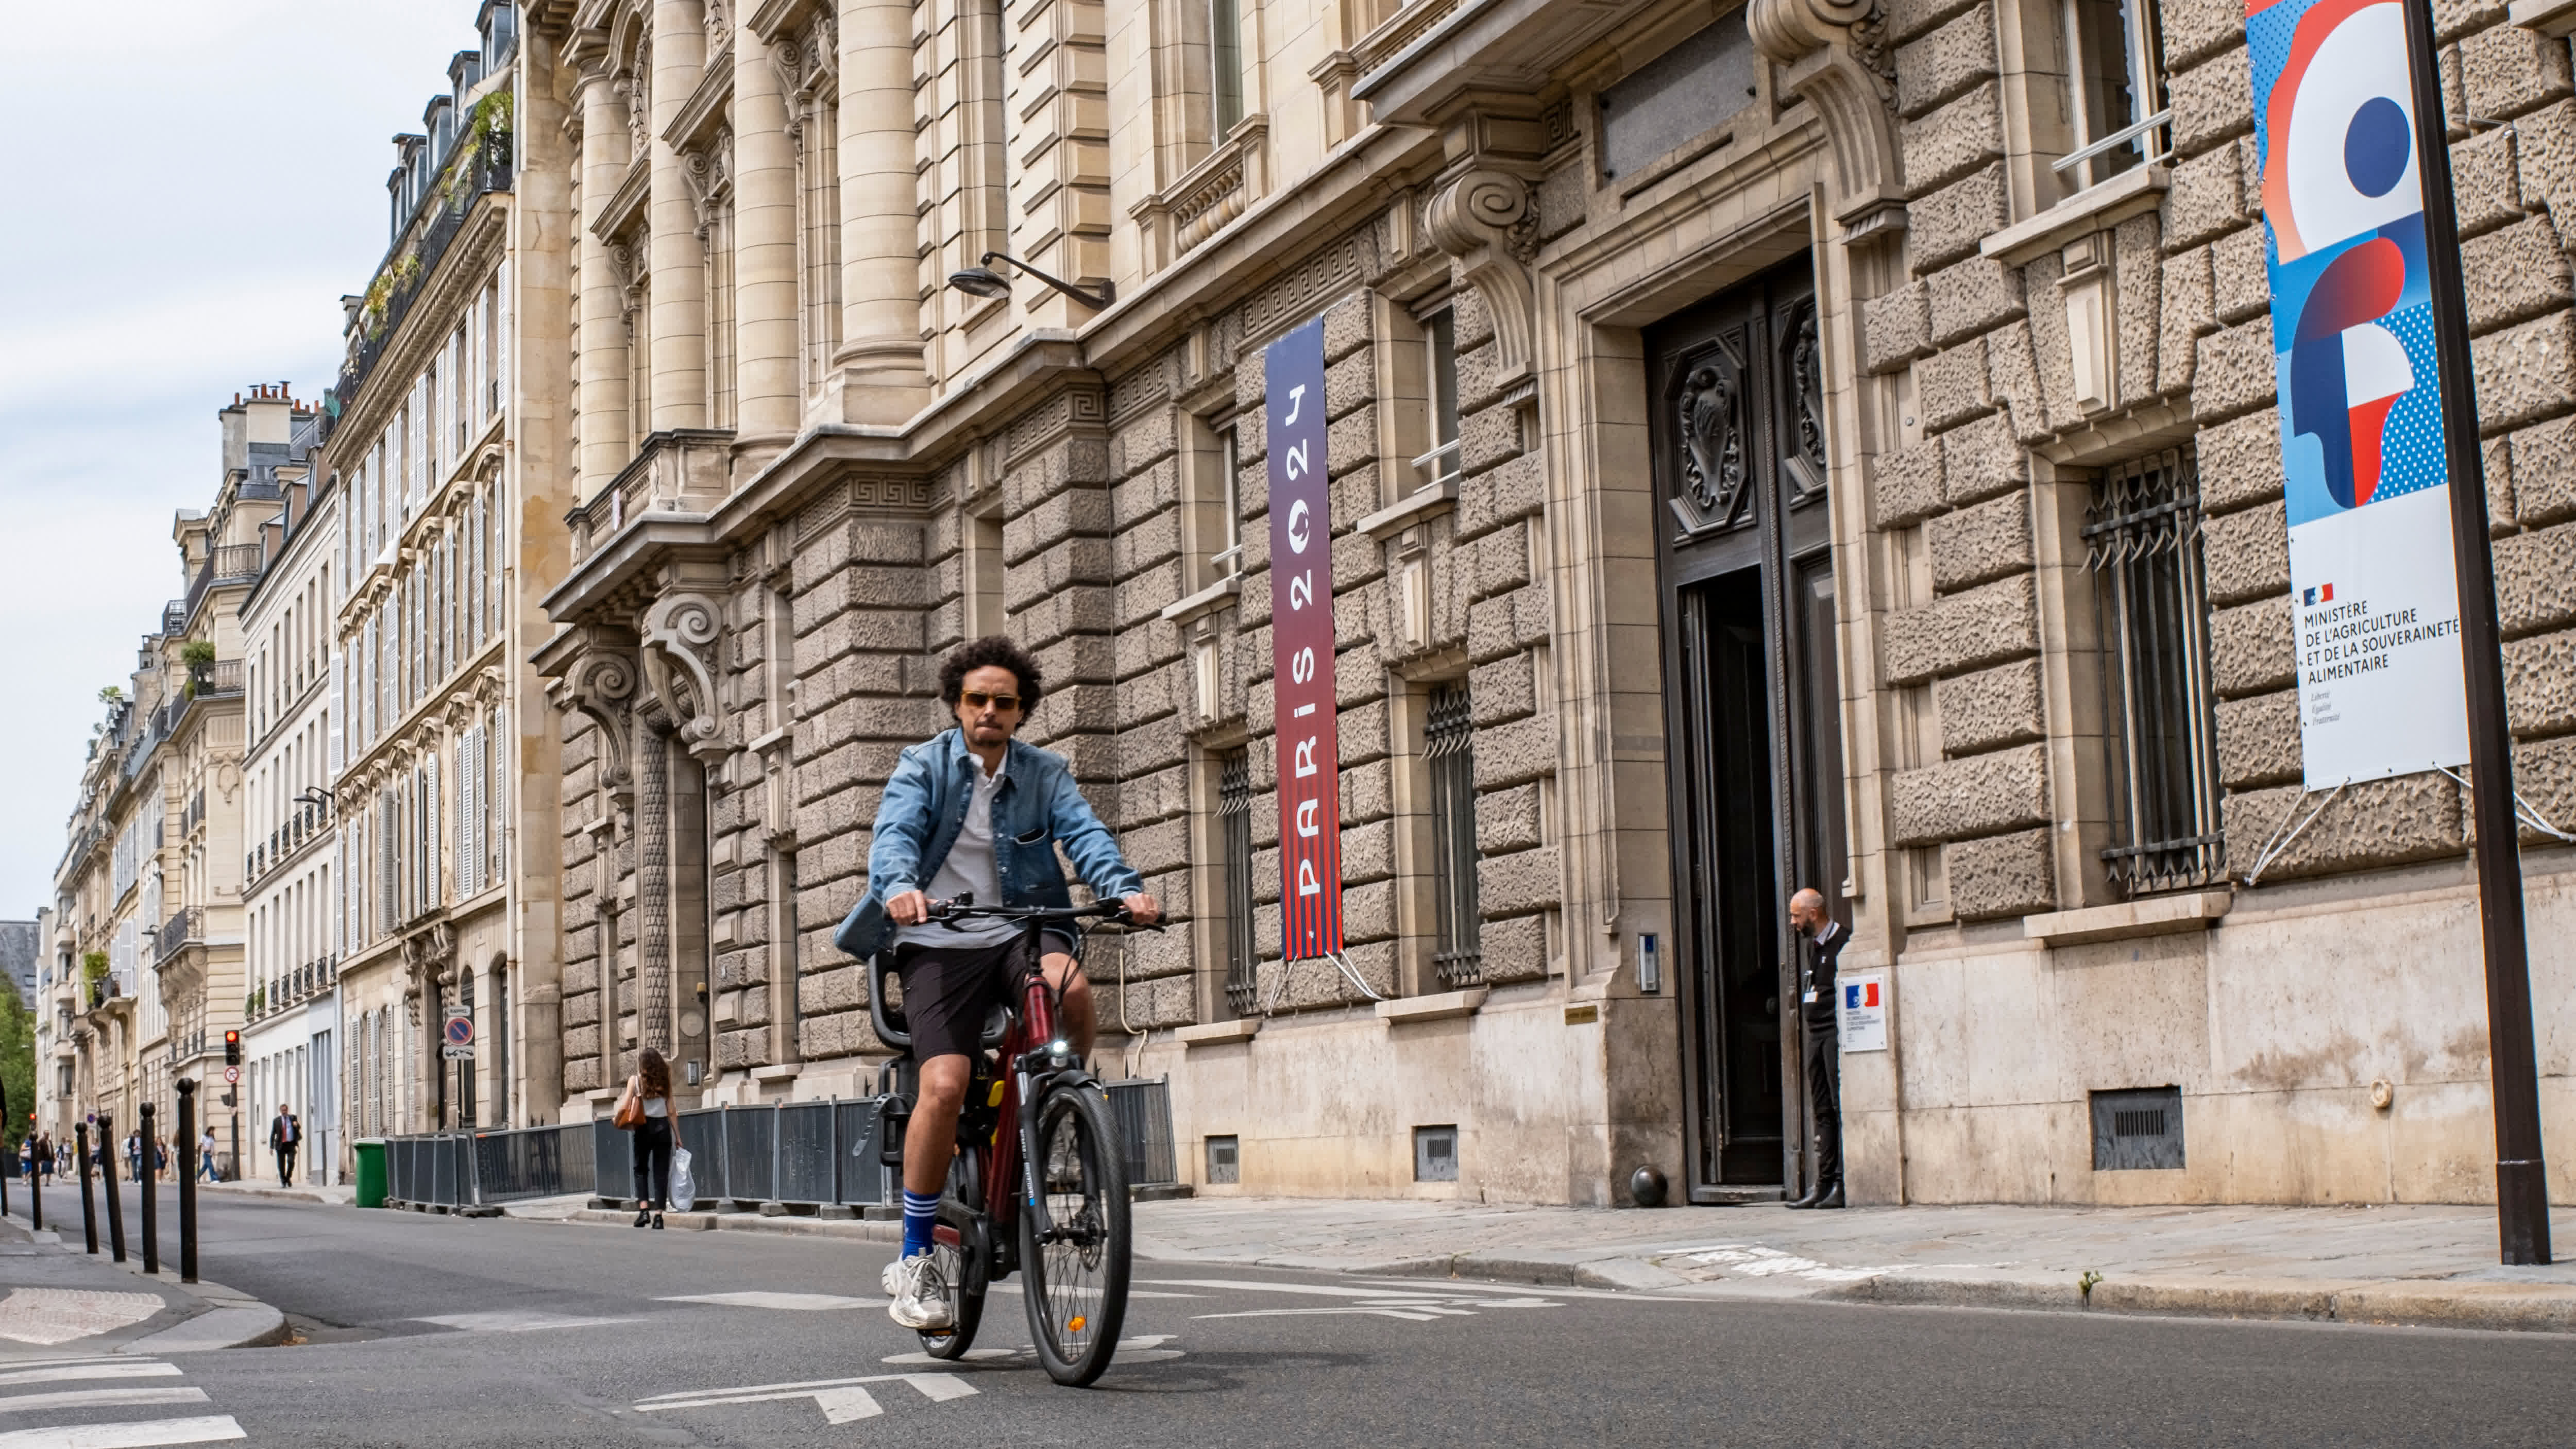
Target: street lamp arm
[{"x": 1101, "y": 299}]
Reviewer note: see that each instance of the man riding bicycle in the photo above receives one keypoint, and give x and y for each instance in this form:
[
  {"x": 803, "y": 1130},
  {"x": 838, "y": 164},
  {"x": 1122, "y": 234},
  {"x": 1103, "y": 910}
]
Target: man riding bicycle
[{"x": 973, "y": 811}]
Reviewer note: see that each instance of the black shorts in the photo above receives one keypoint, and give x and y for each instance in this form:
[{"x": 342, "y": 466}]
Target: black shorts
[{"x": 948, "y": 991}]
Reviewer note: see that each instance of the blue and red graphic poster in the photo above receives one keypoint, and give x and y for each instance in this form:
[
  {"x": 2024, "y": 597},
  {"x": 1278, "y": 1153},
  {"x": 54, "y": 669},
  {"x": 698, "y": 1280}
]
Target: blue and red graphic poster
[
  {"x": 1301, "y": 648},
  {"x": 2374, "y": 597}
]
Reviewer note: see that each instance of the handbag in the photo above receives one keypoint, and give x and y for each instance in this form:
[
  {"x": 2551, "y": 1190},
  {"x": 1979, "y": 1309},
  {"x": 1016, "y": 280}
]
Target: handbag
[{"x": 630, "y": 1111}]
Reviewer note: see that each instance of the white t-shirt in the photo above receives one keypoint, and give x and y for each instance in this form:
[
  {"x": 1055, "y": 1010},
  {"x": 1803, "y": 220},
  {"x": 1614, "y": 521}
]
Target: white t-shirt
[{"x": 970, "y": 867}]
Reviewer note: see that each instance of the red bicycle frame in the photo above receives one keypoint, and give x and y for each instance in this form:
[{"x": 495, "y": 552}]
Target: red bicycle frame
[{"x": 1002, "y": 1187}]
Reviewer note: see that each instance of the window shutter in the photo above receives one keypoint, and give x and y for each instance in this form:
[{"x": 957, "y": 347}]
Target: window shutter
[{"x": 431, "y": 892}]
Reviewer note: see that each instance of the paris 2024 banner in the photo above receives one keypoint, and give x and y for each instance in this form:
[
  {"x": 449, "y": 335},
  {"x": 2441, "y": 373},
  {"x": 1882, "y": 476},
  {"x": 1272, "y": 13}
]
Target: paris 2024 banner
[{"x": 2373, "y": 590}]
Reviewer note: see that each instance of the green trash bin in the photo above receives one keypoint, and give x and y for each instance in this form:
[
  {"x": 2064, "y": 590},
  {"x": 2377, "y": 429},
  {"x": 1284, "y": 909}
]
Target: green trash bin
[{"x": 371, "y": 1172}]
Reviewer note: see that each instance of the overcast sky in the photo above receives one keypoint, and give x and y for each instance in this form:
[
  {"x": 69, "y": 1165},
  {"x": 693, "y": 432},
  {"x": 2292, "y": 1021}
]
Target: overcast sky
[{"x": 193, "y": 185}]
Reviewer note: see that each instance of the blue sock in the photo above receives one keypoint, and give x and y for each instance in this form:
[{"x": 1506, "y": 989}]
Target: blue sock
[{"x": 920, "y": 1210}]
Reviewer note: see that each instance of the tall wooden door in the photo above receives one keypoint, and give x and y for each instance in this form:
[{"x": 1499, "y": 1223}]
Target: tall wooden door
[{"x": 1752, "y": 706}]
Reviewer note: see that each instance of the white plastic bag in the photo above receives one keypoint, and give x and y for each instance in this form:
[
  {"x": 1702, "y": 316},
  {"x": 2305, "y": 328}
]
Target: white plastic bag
[{"x": 684, "y": 1189}]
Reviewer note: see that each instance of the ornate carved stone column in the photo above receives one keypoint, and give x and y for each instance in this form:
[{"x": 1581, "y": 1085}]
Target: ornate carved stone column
[{"x": 652, "y": 837}]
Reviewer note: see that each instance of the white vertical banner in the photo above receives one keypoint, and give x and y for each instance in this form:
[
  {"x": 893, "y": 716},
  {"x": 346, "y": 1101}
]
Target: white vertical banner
[{"x": 2375, "y": 599}]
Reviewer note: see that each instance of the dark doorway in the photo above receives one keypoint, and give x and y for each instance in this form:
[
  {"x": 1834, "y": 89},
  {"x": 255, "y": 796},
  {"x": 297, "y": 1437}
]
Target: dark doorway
[{"x": 1752, "y": 700}]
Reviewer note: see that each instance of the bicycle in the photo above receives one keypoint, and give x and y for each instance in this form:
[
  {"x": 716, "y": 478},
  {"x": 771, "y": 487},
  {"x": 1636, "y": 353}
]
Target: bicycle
[{"x": 1073, "y": 1238}]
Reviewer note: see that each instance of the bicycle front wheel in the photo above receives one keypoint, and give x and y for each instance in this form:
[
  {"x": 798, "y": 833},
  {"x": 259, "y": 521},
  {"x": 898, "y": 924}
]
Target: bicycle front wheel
[{"x": 1076, "y": 1284}]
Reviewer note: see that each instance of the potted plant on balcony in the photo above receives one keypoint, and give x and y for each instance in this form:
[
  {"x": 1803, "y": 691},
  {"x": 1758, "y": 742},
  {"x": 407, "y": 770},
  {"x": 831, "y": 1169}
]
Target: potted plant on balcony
[
  {"x": 199, "y": 656},
  {"x": 93, "y": 971}
]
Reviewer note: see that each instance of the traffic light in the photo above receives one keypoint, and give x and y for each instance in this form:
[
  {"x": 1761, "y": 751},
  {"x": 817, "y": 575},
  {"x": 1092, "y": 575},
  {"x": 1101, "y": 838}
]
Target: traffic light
[{"x": 232, "y": 1048}]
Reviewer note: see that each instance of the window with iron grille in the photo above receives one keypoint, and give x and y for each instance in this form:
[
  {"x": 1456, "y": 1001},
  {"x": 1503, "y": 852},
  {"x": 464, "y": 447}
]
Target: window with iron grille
[
  {"x": 1448, "y": 746},
  {"x": 1234, "y": 821},
  {"x": 2143, "y": 541}
]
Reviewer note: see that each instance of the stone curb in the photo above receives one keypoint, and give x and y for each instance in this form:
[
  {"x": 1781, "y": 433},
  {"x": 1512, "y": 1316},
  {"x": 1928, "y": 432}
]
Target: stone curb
[
  {"x": 856, "y": 1229},
  {"x": 2501, "y": 1307},
  {"x": 283, "y": 1194},
  {"x": 228, "y": 1318}
]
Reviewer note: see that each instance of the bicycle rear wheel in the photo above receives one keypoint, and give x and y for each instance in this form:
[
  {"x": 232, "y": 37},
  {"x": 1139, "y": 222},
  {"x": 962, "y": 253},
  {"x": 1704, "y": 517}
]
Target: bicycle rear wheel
[
  {"x": 1076, "y": 1284},
  {"x": 964, "y": 1256}
]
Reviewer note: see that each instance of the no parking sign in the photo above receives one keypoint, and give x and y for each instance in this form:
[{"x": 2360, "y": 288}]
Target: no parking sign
[{"x": 458, "y": 1036}]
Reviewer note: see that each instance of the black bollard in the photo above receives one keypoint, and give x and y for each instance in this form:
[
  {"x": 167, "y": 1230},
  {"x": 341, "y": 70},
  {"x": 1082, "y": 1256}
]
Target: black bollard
[
  {"x": 89, "y": 1210},
  {"x": 187, "y": 1183},
  {"x": 148, "y": 1178},
  {"x": 107, "y": 1182},
  {"x": 35, "y": 1193}
]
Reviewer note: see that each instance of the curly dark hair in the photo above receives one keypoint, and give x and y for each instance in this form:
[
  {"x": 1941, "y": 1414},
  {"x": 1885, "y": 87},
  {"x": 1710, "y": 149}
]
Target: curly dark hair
[{"x": 991, "y": 651}]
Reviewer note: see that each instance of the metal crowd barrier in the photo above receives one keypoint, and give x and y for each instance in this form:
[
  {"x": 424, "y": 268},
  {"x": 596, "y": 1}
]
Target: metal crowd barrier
[{"x": 802, "y": 1154}]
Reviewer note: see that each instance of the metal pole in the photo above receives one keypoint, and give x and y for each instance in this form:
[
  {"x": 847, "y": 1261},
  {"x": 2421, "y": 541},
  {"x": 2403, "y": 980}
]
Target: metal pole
[
  {"x": 107, "y": 1180},
  {"x": 229, "y": 1101},
  {"x": 148, "y": 1177},
  {"x": 2522, "y": 1187},
  {"x": 35, "y": 1186},
  {"x": 89, "y": 1209},
  {"x": 187, "y": 1182}
]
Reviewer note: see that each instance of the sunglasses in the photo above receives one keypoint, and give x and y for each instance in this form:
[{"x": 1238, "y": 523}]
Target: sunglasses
[{"x": 977, "y": 699}]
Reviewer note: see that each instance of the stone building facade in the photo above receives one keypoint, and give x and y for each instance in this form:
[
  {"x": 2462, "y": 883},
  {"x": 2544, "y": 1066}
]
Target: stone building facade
[
  {"x": 444, "y": 770},
  {"x": 291, "y": 1007},
  {"x": 1778, "y": 444},
  {"x": 149, "y": 896}
]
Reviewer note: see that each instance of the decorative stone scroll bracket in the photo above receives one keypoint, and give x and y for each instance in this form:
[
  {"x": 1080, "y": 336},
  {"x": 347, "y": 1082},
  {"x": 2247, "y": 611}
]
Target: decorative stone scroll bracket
[
  {"x": 1480, "y": 219},
  {"x": 1834, "y": 55},
  {"x": 601, "y": 684},
  {"x": 680, "y": 632}
]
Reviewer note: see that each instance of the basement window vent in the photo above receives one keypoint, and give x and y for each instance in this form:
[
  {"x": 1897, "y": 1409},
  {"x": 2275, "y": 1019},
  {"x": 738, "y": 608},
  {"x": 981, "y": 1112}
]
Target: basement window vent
[
  {"x": 1224, "y": 1159},
  {"x": 2137, "y": 1129},
  {"x": 1435, "y": 1154}
]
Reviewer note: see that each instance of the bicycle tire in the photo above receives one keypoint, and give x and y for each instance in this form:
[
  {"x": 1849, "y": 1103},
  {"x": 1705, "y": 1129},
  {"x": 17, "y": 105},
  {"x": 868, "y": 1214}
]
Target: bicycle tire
[
  {"x": 1075, "y": 1285},
  {"x": 967, "y": 1279}
]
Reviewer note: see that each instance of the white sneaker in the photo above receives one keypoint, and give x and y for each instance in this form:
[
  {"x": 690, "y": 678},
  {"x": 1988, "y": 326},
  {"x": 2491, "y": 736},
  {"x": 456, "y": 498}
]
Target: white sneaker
[
  {"x": 891, "y": 1280},
  {"x": 921, "y": 1294}
]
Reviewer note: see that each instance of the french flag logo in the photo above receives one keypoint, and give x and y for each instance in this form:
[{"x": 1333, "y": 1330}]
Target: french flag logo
[
  {"x": 2321, "y": 594},
  {"x": 1860, "y": 995}
]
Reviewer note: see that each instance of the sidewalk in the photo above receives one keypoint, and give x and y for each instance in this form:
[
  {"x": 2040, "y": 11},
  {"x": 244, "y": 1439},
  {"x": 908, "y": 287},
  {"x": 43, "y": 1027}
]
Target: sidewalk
[
  {"x": 55, "y": 1300},
  {"x": 2432, "y": 1266},
  {"x": 342, "y": 1195}
]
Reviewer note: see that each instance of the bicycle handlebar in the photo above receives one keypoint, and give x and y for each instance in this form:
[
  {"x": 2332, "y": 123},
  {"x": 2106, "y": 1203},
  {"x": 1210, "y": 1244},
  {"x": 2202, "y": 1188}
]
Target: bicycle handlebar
[{"x": 964, "y": 906}]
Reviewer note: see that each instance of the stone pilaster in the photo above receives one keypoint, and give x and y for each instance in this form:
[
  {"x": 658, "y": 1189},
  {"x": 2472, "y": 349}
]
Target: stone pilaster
[
  {"x": 764, "y": 205},
  {"x": 679, "y": 299},
  {"x": 880, "y": 377}
]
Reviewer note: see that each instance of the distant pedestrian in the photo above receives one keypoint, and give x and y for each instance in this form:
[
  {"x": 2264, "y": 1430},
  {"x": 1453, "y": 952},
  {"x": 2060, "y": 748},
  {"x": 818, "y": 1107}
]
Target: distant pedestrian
[
  {"x": 134, "y": 1156},
  {"x": 647, "y": 1106},
  {"x": 206, "y": 1158},
  {"x": 285, "y": 1135}
]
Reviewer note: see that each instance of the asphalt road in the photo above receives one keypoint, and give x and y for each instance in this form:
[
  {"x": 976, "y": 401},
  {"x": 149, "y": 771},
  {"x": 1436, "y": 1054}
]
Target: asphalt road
[{"x": 423, "y": 1330}]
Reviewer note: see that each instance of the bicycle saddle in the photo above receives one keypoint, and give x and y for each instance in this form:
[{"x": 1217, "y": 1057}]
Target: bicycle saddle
[{"x": 897, "y": 1034}]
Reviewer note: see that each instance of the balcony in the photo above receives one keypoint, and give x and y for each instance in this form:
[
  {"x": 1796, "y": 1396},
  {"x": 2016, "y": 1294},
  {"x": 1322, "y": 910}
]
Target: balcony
[
  {"x": 233, "y": 563},
  {"x": 303, "y": 826},
  {"x": 292, "y": 989},
  {"x": 187, "y": 927}
]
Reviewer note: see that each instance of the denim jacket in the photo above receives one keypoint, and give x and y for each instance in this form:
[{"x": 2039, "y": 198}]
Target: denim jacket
[{"x": 1036, "y": 806}]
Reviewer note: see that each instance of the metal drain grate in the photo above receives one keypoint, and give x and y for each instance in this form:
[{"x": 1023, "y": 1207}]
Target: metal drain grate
[{"x": 2140, "y": 1128}]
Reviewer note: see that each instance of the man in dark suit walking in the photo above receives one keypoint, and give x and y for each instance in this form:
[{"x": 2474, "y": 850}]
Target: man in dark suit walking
[
  {"x": 1825, "y": 938},
  {"x": 284, "y": 1136}
]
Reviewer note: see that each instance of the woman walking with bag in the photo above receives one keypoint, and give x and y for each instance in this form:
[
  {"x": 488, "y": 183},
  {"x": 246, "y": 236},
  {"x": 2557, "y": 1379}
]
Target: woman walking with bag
[{"x": 646, "y": 1111}]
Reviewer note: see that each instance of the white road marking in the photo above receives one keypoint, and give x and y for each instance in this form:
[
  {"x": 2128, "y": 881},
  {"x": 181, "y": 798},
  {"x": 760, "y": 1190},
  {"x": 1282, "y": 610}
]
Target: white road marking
[
  {"x": 99, "y": 1399},
  {"x": 791, "y": 1302},
  {"x": 58, "y": 1315},
  {"x": 843, "y": 1401},
  {"x": 1144, "y": 1348},
  {"x": 1012, "y": 1287},
  {"x": 514, "y": 1321},
  {"x": 141, "y": 1435},
  {"x": 111, "y": 1369},
  {"x": 1752, "y": 1260},
  {"x": 1408, "y": 1315},
  {"x": 1319, "y": 1290}
]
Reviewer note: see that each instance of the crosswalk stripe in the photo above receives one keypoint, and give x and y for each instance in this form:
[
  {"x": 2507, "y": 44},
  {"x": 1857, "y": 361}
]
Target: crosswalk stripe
[
  {"x": 143, "y": 1434},
  {"x": 100, "y": 1399},
  {"x": 128, "y": 1369}
]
